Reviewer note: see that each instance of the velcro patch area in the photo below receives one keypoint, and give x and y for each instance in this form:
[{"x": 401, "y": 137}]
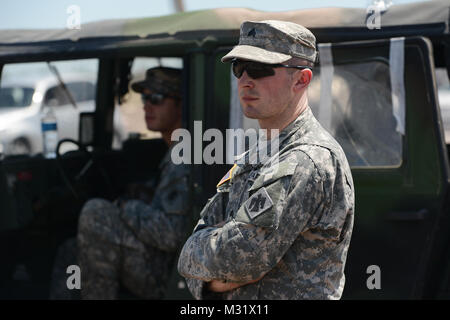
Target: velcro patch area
[{"x": 259, "y": 202}]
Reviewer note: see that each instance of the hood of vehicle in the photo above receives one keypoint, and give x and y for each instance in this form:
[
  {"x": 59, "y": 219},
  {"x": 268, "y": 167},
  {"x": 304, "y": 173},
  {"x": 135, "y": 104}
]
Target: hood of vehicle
[{"x": 10, "y": 115}]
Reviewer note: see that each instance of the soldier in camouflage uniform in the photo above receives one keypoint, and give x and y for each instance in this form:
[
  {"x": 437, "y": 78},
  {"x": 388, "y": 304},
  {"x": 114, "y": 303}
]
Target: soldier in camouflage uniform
[
  {"x": 279, "y": 228},
  {"x": 134, "y": 242}
]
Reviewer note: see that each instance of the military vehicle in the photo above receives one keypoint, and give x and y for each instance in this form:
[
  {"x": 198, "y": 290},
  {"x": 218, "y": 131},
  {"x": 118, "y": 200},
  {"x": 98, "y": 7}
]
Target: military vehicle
[{"x": 374, "y": 90}]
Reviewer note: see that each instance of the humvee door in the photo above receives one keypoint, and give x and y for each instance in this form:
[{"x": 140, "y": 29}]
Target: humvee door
[{"x": 378, "y": 99}]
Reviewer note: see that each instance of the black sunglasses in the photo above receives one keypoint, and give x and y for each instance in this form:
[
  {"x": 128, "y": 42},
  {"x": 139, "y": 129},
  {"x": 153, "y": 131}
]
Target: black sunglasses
[
  {"x": 256, "y": 70},
  {"x": 154, "y": 98}
]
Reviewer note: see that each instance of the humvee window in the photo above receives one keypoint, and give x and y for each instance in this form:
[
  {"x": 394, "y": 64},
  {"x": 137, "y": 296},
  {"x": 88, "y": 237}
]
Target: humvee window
[
  {"x": 27, "y": 89},
  {"x": 129, "y": 120},
  {"x": 362, "y": 118}
]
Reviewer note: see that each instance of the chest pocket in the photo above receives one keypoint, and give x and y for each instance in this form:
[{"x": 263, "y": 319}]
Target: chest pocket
[{"x": 266, "y": 196}]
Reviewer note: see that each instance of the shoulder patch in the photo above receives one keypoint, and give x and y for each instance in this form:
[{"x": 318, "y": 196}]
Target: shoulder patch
[
  {"x": 227, "y": 176},
  {"x": 259, "y": 202}
]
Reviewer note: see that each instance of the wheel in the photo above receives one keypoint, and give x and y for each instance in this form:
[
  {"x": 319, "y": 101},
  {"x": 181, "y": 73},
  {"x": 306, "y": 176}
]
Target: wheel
[{"x": 19, "y": 146}]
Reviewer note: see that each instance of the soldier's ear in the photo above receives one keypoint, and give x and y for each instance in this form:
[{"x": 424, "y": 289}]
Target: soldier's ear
[{"x": 301, "y": 79}]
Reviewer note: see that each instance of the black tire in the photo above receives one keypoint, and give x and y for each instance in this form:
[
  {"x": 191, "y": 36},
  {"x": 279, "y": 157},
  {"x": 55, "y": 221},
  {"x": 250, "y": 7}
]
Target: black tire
[{"x": 19, "y": 146}]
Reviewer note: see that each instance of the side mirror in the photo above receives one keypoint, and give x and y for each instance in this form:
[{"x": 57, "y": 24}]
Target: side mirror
[{"x": 86, "y": 128}]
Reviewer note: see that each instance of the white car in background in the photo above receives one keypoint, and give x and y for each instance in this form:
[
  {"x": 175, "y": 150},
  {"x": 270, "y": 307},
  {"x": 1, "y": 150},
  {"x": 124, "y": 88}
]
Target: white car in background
[
  {"x": 443, "y": 86},
  {"x": 23, "y": 103},
  {"x": 444, "y": 102}
]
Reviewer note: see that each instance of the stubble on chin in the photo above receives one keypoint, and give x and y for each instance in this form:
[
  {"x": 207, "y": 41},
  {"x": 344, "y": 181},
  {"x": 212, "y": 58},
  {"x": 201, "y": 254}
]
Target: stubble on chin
[{"x": 249, "y": 111}]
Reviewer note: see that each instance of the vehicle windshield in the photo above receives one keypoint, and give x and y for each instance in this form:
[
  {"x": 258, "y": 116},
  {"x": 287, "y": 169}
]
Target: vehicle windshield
[{"x": 15, "y": 97}]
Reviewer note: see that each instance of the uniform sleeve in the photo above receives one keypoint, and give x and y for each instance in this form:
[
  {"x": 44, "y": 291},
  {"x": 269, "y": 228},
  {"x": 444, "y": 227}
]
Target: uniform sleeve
[
  {"x": 162, "y": 223},
  {"x": 265, "y": 226},
  {"x": 213, "y": 213}
]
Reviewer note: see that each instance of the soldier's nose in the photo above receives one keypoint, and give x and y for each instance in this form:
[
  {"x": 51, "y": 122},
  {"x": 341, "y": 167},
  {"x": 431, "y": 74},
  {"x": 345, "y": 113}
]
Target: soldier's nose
[{"x": 246, "y": 81}]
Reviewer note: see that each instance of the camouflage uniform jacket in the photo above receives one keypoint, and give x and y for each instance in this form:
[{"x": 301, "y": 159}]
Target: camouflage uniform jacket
[
  {"x": 162, "y": 223},
  {"x": 290, "y": 223}
]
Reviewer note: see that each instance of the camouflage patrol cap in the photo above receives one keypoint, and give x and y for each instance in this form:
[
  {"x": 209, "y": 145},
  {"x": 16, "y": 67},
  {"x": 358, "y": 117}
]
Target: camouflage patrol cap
[
  {"x": 160, "y": 80},
  {"x": 273, "y": 41}
]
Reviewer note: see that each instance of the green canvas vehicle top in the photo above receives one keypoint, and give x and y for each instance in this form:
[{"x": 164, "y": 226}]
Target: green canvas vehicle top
[
  {"x": 223, "y": 25},
  {"x": 375, "y": 89}
]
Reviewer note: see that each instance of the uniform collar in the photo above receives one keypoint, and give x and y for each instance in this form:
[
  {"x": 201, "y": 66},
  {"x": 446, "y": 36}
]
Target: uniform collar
[{"x": 299, "y": 125}]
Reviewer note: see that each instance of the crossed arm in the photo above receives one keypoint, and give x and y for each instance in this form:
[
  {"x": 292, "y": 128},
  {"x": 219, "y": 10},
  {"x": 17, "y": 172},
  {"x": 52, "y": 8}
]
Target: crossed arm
[
  {"x": 238, "y": 251},
  {"x": 221, "y": 286}
]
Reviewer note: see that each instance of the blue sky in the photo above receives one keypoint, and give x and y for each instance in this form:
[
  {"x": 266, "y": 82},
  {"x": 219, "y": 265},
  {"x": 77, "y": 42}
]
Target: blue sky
[{"x": 25, "y": 14}]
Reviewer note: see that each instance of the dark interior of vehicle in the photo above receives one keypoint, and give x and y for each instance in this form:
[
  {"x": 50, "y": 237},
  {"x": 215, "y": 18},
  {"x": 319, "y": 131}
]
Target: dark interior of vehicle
[
  {"x": 41, "y": 200},
  {"x": 48, "y": 197}
]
